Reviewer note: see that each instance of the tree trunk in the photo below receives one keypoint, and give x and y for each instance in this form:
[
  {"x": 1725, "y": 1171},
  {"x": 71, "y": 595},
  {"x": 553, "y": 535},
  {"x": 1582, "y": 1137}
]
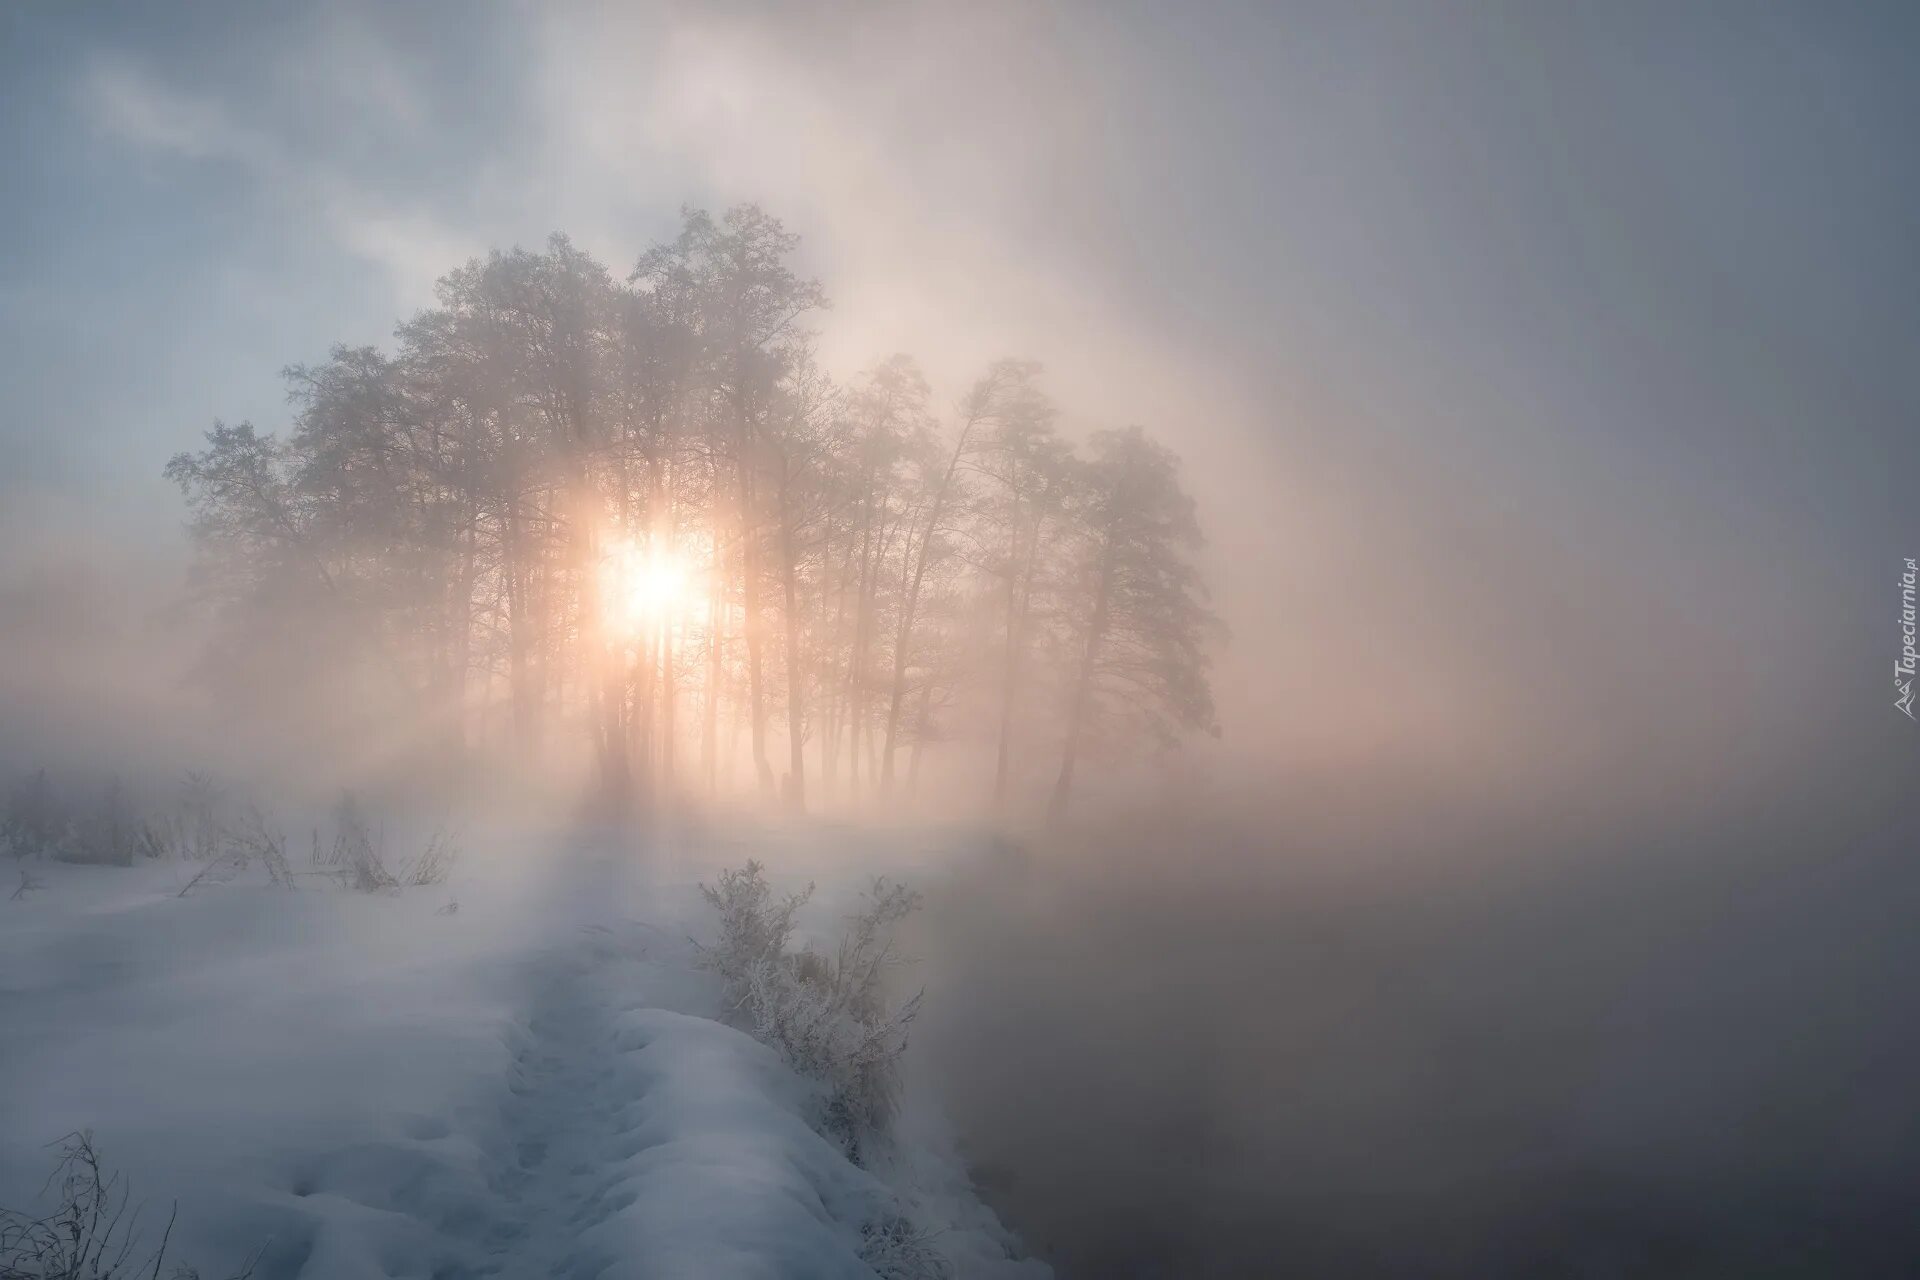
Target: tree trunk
[
  {"x": 862, "y": 631},
  {"x": 1019, "y": 609},
  {"x": 921, "y": 721},
  {"x": 911, "y": 601},
  {"x": 832, "y": 690},
  {"x": 460, "y": 647},
  {"x": 640, "y": 724},
  {"x": 1083, "y": 685},
  {"x": 663, "y": 772},
  {"x": 1004, "y": 750},
  {"x": 710, "y": 706},
  {"x": 519, "y": 628},
  {"x": 796, "y": 791},
  {"x": 750, "y": 620}
]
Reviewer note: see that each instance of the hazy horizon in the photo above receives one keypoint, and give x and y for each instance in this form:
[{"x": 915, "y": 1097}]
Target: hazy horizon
[{"x": 1513, "y": 369}]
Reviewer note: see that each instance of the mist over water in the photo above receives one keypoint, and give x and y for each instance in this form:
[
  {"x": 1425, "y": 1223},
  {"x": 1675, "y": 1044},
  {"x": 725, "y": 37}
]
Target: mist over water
[{"x": 1246, "y": 1040}]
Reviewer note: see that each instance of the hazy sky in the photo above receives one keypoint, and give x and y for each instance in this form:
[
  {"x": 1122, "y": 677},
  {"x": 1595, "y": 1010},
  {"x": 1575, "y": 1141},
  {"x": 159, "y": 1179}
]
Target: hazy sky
[{"x": 1545, "y": 372}]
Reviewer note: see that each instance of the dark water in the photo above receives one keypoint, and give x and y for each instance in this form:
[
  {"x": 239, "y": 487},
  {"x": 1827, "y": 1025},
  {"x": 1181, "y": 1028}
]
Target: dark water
[{"x": 1204, "y": 1047}]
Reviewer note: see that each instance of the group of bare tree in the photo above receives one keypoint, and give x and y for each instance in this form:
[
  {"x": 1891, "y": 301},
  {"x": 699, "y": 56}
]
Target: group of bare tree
[{"x": 642, "y": 509}]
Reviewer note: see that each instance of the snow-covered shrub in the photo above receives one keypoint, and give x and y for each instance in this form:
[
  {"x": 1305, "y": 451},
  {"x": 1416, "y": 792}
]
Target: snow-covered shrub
[
  {"x": 29, "y": 883},
  {"x": 435, "y": 862},
  {"x": 827, "y": 1015},
  {"x": 161, "y": 840},
  {"x": 105, "y": 834},
  {"x": 34, "y": 821},
  {"x": 197, "y": 827},
  {"x": 258, "y": 841},
  {"x": 190, "y": 826},
  {"x": 90, "y": 1233},
  {"x": 353, "y": 858},
  {"x": 251, "y": 840},
  {"x": 111, "y": 826},
  {"x": 897, "y": 1250},
  {"x": 754, "y": 929}
]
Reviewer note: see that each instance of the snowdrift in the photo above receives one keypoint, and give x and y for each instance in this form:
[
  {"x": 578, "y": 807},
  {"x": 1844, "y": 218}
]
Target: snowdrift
[{"x": 529, "y": 1083}]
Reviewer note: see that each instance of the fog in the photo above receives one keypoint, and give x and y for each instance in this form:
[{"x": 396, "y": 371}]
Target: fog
[
  {"x": 1542, "y": 385},
  {"x": 1364, "y": 1039}
]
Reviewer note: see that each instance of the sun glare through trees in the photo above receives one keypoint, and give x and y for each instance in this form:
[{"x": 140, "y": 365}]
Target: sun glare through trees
[{"x": 636, "y": 513}]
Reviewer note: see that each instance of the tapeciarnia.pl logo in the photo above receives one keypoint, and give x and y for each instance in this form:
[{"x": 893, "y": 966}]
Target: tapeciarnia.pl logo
[{"x": 1903, "y": 669}]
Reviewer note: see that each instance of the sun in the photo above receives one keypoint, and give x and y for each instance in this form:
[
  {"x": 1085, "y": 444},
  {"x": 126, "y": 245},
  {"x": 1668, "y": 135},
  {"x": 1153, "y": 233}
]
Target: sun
[{"x": 647, "y": 585}]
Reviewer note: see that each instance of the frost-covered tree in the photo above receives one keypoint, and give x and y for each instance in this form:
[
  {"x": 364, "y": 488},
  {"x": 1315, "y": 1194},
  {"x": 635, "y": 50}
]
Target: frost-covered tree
[
  {"x": 1143, "y": 626},
  {"x": 566, "y": 507}
]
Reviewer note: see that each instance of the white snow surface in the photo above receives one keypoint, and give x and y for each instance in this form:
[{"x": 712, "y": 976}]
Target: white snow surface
[{"x": 534, "y": 1085}]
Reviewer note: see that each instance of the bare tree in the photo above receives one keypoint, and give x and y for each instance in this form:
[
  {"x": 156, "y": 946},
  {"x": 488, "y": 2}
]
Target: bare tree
[
  {"x": 1145, "y": 624},
  {"x": 470, "y": 533}
]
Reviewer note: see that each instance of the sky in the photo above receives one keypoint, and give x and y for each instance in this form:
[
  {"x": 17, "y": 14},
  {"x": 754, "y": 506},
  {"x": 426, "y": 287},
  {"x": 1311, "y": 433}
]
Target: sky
[{"x": 1543, "y": 373}]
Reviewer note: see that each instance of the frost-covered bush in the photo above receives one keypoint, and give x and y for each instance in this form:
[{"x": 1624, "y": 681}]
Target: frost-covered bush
[
  {"x": 897, "y": 1250},
  {"x": 189, "y": 825},
  {"x": 827, "y": 1015},
  {"x": 196, "y": 827},
  {"x": 111, "y": 826},
  {"x": 754, "y": 928},
  {"x": 34, "y": 822},
  {"x": 29, "y": 883},
  {"x": 103, "y": 833},
  {"x": 353, "y": 858},
  {"x": 89, "y": 1234},
  {"x": 249, "y": 841},
  {"x": 435, "y": 862}
]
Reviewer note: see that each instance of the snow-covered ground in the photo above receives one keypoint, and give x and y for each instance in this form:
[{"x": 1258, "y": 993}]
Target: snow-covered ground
[{"x": 531, "y": 1085}]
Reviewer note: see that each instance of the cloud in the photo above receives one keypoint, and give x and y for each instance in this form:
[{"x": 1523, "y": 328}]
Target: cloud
[
  {"x": 411, "y": 243},
  {"x": 128, "y": 102},
  {"x": 902, "y": 180}
]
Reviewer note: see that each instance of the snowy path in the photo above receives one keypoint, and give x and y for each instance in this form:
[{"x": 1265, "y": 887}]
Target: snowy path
[
  {"x": 636, "y": 1140},
  {"x": 549, "y": 1164},
  {"x": 531, "y": 1087},
  {"x": 618, "y": 1089},
  {"x": 550, "y": 1167}
]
